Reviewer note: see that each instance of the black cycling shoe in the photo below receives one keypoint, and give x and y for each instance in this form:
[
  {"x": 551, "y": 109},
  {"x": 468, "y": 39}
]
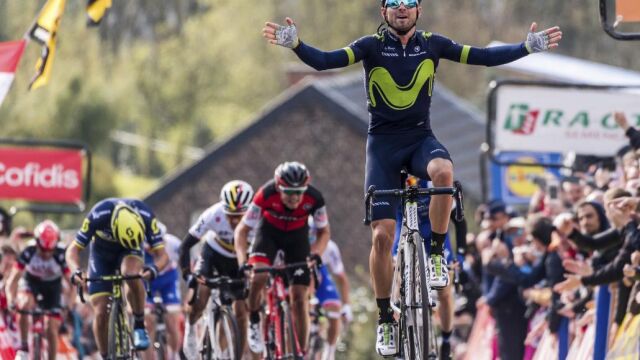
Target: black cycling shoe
[{"x": 445, "y": 351}]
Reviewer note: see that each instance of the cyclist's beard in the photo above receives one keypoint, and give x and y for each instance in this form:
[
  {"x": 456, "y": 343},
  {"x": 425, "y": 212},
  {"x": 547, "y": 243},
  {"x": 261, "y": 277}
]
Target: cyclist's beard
[{"x": 399, "y": 31}]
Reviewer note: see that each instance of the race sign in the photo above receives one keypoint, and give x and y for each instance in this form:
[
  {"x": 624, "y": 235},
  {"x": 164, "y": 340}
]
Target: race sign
[
  {"x": 553, "y": 119},
  {"x": 41, "y": 174}
]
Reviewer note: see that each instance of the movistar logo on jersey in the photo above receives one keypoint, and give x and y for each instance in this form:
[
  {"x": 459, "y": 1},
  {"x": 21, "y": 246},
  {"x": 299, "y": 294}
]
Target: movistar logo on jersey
[{"x": 400, "y": 97}]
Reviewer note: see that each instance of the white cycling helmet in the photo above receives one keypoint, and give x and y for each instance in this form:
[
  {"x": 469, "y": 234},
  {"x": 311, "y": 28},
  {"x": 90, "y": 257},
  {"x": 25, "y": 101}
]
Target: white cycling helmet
[{"x": 236, "y": 196}]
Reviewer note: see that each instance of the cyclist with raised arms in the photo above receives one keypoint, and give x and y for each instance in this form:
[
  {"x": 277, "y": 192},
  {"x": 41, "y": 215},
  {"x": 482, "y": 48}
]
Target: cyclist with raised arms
[
  {"x": 332, "y": 292},
  {"x": 278, "y": 214},
  {"x": 400, "y": 64},
  {"x": 167, "y": 286},
  {"x": 37, "y": 278},
  {"x": 217, "y": 257},
  {"x": 116, "y": 229}
]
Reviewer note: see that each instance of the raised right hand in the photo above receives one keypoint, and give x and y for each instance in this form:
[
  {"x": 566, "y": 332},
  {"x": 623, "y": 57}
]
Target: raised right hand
[{"x": 277, "y": 34}]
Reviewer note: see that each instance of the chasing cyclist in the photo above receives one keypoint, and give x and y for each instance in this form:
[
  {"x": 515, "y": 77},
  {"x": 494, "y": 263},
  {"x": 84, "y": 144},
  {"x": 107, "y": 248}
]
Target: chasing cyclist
[
  {"x": 217, "y": 257},
  {"x": 278, "y": 214},
  {"x": 332, "y": 292},
  {"x": 400, "y": 65},
  {"x": 116, "y": 229},
  {"x": 37, "y": 278}
]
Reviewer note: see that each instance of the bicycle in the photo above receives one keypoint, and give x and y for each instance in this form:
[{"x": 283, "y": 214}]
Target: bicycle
[
  {"x": 279, "y": 329},
  {"x": 120, "y": 340},
  {"x": 316, "y": 340},
  {"x": 411, "y": 278},
  {"x": 160, "y": 338},
  {"x": 37, "y": 328},
  {"x": 215, "y": 346}
]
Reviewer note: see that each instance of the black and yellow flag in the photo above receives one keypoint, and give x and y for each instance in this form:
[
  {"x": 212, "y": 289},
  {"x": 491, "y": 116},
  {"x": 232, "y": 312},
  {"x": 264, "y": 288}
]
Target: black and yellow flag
[
  {"x": 44, "y": 31},
  {"x": 96, "y": 9}
]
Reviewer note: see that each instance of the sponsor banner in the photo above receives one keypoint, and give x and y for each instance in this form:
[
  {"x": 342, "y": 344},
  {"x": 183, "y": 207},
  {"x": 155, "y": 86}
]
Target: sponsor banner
[
  {"x": 514, "y": 184},
  {"x": 562, "y": 120},
  {"x": 42, "y": 175},
  {"x": 10, "y": 54}
]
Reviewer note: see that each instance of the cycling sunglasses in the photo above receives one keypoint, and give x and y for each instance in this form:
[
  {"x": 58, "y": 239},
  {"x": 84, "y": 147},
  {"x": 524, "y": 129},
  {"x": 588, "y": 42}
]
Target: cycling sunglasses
[
  {"x": 394, "y": 4},
  {"x": 293, "y": 191}
]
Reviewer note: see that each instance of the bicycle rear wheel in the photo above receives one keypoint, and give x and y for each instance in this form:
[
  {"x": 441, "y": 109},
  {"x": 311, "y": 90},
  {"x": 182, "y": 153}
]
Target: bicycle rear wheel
[
  {"x": 227, "y": 346},
  {"x": 426, "y": 336}
]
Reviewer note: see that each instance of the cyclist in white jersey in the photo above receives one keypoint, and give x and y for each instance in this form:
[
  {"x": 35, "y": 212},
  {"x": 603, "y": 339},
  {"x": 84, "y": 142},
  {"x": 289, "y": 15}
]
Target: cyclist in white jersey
[
  {"x": 335, "y": 306},
  {"x": 217, "y": 257},
  {"x": 167, "y": 286}
]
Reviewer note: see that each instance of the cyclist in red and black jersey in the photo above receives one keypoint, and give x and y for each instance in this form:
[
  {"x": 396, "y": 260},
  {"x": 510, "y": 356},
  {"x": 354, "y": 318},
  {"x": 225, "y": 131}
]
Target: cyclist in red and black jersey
[
  {"x": 37, "y": 277},
  {"x": 279, "y": 213}
]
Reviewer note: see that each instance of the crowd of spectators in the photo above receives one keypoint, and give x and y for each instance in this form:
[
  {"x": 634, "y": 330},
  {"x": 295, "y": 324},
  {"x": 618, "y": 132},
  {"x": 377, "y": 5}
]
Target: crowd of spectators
[{"x": 560, "y": 267}]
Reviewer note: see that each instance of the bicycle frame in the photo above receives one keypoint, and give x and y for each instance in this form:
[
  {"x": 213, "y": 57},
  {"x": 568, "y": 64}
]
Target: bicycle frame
[
  {"x": 117, "y": 301},
  {"x": 276, "y": 296},
  {"x": 411, "y": 280},
  {"x": 277, "y": 299},
  {"x": 37, "y": 329},
  {"x": 215, "y": 309}
]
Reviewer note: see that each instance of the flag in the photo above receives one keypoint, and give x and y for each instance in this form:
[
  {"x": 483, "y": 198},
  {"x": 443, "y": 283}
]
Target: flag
[
  {"x": 96, "y": 9},
  {"x": 44, "y": 31},
  {"x": 10, "y": 54}
]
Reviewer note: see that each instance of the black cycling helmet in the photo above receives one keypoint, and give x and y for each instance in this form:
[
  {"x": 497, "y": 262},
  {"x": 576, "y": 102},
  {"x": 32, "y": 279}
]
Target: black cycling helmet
[{"x": 292, "y": 175}]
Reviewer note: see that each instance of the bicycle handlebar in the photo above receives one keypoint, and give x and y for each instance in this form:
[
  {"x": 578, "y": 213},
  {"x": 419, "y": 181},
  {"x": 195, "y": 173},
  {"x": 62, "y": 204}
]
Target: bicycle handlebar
[
  {"x": 104, "y": 278},
  {"x": 40, "y": 312},
  {"x": 218, "y": 282},
  {"x": 455, "y": 191}
]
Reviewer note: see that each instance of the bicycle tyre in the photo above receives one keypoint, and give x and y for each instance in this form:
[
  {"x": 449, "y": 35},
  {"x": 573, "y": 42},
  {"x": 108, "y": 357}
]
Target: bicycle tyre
[
  {"x": 160, "y": 346},
  {"x": 289, "y": 333},
  {"x": 37, "y": 346},
  {"x": 427, "y": 350},
  {"x": 229, "y": 329},
  {"x": 316, "y": 346},
  {"x": 206, "y": 352},
  {"x": 410, "y": 315},
  {"x": 112, "y": 344}
]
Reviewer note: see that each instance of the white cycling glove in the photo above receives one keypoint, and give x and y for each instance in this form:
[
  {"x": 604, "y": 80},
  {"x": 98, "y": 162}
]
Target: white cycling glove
[
  {"x": 287, "y": 36},
  {"x": 537, "y": 42},
  {"x": 347, "y": 313}
]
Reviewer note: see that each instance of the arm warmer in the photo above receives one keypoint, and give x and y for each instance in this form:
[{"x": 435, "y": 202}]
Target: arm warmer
[{"x": 184, "y": 258}]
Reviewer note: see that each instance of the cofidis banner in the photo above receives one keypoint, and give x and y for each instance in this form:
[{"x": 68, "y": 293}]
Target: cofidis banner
[{"x": 42, "y": 175}]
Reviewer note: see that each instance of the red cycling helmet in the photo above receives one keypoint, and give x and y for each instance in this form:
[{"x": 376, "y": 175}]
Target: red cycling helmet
[{"x": 47, "y": 235}]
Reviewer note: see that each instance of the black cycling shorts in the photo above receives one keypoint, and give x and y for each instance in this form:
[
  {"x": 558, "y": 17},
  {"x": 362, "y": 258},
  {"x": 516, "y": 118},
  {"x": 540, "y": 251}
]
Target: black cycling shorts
[
  {"x": 210, "y": 264},
  {"x": 295, "y": 245},
  {"x": 387, "y": 154},
  {"x": 46, "y": 293}
]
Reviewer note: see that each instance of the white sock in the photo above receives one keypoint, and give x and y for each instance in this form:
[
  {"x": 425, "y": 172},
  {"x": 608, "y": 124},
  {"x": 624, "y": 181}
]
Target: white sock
[{"x": 329, "y": 352}]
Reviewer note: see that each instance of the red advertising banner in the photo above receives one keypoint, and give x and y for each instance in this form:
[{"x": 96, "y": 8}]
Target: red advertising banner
[{"x": 42, "y": 175}]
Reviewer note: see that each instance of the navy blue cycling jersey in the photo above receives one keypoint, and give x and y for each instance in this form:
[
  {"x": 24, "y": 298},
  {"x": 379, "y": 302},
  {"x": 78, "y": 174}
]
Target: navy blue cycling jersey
[
  {"x": 97, "y": 224},
  {"x": 399, "y": 79}
]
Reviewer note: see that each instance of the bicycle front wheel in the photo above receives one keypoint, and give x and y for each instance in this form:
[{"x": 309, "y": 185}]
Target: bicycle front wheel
[
  {"x": 37, "y": 346},
  {"x": 290, "y": 344},
  {"x": 426, "y": 336},
  {"x": 118, "y": 346},
  {"x": 227, "y": 346}
]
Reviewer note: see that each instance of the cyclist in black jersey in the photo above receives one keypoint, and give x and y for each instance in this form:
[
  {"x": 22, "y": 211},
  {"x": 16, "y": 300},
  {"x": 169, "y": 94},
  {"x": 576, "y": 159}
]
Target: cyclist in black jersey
[
  {"x": 37, "y": 279},
  {"x": 400, "y": 64}
]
